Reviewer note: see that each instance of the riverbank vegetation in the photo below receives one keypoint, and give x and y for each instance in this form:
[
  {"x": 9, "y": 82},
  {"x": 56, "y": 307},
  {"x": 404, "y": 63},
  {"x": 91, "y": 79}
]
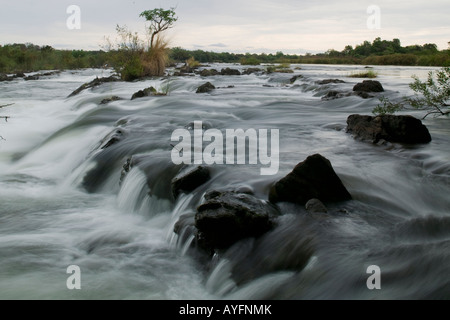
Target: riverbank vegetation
[{"x": 133, "y": 56}]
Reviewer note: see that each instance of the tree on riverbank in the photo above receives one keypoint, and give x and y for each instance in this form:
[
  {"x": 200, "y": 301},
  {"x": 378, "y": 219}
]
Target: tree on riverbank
[
  {"x": 133, "y": 57},
  {"x": 432, "y": 96}
]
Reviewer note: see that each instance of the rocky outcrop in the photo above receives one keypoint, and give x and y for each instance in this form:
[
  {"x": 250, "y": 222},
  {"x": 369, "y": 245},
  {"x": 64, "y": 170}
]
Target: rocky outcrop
[
  {"x": 112, "y": 99},
  {"x": 230, "y": 72},
  {"x": 5, "y": 77},
  {"x": 402, "y": 129},
  {"x": 189, "y": 179},
  {"x": 249, "y": 71},
  {"x": 144, "y": 93},
  {"x": 315, "y": 206},
  {"x": 313, "y": 178},
  {"x": 94, "y": 83},
  {"x": 328, "y": 81},
  {"x": 227, "y": 217},
  {"x": 209, "y": 72},
  {"x": 369, "y": 86},
  {"x": 295, "y": 78},
  {"x": 205, "y": 88}
]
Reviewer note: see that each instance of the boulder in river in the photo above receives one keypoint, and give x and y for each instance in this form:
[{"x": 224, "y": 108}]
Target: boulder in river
[
  {"x": 369, "y": 86},
  {"x": 189, "y": 179},
  {"x": 227, "y": 217},
  {"x": 209, "y": 72},
  {"x": 94, "y": 83},
  {"x": 402, "y": 129},
  {"x": 328, "y": 81},
  {"x": 230, "y": 72},
  {"x": 313, "y": 178},
  {"x": 147, "y": 92},
  {"x": 315, "y": 206},
  {"x": 205, "y": 88}
]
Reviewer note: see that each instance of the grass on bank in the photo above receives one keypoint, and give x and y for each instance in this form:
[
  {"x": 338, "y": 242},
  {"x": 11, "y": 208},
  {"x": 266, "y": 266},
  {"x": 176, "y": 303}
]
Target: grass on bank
[{"x": 370, "y": 74}]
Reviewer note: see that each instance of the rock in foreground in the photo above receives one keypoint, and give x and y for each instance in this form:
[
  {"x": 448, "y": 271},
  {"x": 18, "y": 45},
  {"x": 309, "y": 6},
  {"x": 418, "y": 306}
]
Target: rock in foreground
[
  {"x": 205, "y": 88},
  {"x": 402, "y": 129},
  {"x": 227, "y": 217},
  {"x": 369, "y": 86},
  {"x": 313, "y": 178}
]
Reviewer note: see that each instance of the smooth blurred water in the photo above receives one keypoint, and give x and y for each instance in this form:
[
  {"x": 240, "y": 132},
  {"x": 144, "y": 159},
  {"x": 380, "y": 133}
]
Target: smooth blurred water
[{"x": 62, "y": 202}]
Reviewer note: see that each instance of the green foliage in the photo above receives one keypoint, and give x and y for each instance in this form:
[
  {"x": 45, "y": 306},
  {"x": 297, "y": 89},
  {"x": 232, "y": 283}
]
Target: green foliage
[
  {"x": 250, "y": 61},
  {"x": 366, "y": 74},
  {"x": 28, "y": 57},
  {"x": 160, "y": 20},
  {"x": 387, "y": 107},
  {"x": 432, "y": 96}
]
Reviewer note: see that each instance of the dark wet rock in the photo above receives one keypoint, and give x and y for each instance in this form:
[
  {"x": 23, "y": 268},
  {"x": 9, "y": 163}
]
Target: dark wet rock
[
  {"x": 209, "y": 72},
  {"x": 94, "y": 83},
  {"x": 113, "y": 138},
  {"x": 5, "y": 77},
  {"x": 402, "y": 129},
  {"x": 315, "y": 206},
  {"x": 363, "y": 94},
  {"x": 295, "y": 78},
  {"x": 328, "y": 81},
  {"x": 251, "y": 70},
  {"x": 227, "y": 217},
  {"x": 230, "y": 72},
  {"x": 205, "y": 88},
  {"x": 112, "y": 99},
  {"x": 32, "y": 78},
  {"x": 189, "y": 179},
  {"x": 125, "y": 169},
  {"x": 369, "y": 86},
  {"x": 313, "y": 178},
  {"x": 144, "y": 93},
  {"x": 20, "y": 75},
  {"x": 332, "y": 95}
]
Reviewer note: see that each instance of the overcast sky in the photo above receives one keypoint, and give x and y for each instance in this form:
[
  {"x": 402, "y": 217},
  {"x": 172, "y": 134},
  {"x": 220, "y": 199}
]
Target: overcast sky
[{"x": 291, "y": 26}]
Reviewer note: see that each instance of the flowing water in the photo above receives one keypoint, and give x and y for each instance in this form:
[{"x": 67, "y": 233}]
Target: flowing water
[{"x": 62, "y": 201}]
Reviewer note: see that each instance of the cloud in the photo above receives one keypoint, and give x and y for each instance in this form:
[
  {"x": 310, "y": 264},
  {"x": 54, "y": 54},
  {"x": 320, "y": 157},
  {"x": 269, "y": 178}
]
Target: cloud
[
  {"x": 275, "y": 25},
  {"x": 219, "y": 45}
]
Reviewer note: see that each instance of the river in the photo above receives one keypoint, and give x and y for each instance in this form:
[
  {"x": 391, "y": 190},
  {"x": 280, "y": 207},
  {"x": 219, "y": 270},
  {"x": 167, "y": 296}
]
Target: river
[{"x": 62, "y": 202}]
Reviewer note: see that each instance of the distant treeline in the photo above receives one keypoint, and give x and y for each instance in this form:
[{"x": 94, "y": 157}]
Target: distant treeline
[
  {"x": 29, "y": 57},
  {"x": 378, "y": 52}
]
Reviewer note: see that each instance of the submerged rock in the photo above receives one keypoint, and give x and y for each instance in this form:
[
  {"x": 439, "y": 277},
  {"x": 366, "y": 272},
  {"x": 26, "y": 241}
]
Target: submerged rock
[
  {"x": 313, "y": 178},
  {"x": 230, "y": 72},
  {"x": 227, "y": 217},
  {"x": 189, "y": 179},
  {"x": 94, "y": 83},
  {"x": 328, "y": 81},
  {"x": 249, "y": 71},
  {"x": 315, "y": 206},
  {"x": 332, "y": 95},
  {"x": 402, "y": 129},
  {"x": 205, "y": 88},
  {"x": 209, "y": 72},
  {"x": 369, "y": 86},
  {"x": 144, "y": 93},
  {"x": 295, "y": 78},
  {"x": 31, "y": 78},
  {"x": 112, "y": 99}
]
